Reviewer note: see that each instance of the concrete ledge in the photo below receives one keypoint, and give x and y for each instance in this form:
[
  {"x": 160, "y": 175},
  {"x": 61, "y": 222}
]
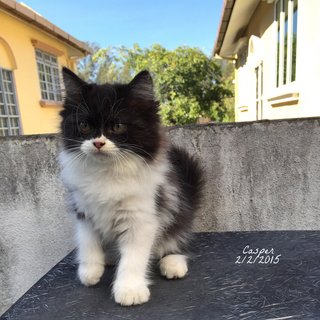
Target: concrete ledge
[
  {"x": 225, "y": 281},
  {"x": 260, "y": 176}
]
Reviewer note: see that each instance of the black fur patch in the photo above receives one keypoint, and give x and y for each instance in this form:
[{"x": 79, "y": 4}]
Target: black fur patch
[
  {"x": 104, "y": 106},
  {"x": 81, "y": 216},
  {"x": 188, "y": 176}
]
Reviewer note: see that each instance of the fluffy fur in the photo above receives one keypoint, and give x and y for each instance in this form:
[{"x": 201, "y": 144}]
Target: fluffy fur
[{"x": 135, "y": 195}]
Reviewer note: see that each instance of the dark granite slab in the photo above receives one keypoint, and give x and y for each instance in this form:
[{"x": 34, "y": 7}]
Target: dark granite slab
[{"x": 223, "y": 283}]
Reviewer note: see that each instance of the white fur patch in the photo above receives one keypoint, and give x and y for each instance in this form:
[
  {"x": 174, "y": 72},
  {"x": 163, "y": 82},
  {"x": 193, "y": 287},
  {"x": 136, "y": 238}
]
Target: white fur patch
[
  {"x": 90, "y": 274},
  {"x": 131, "y": 292},
  {"x": 174, "y": 266},
  {"x": 90, "y": 254}
]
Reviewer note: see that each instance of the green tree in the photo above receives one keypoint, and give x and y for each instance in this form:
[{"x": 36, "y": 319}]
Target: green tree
[
  {"x": 227, "y": 70},
  {"x": 102, "y": 65},
  {"x": 188, "y": 84},
  {"x": 87, "y": 67}
]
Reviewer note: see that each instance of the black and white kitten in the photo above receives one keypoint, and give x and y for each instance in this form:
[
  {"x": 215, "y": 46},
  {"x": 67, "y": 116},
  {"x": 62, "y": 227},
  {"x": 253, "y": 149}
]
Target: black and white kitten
[{"x": 133, "y": 192}]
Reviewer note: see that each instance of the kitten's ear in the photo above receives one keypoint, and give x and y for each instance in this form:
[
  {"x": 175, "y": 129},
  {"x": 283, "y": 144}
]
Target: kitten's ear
[
  {"x": 142, "y": 86},
  {"x": 73, "y": 84}
]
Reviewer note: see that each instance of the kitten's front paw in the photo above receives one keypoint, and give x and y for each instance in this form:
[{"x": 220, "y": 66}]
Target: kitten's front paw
[
  {"x": 174, "y": 266},
  {"x": 128, "y": 295},
  {"x": 90, "y": 274}
]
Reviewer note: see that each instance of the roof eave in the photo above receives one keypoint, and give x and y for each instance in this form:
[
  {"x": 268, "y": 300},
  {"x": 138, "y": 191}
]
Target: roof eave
[
  {"x": 24, "y": 13},
  {"x": 236, "y": 16},
  {"x": 224, "y": 22}
]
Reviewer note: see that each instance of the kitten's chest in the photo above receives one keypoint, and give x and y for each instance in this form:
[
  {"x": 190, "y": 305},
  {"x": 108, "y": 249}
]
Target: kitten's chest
[
  {"x": 103, "y": 191},
  {"x": 112, "y": 203},
  {"x": 102, "y": 188},
  {"x": 111, "y": 191}
]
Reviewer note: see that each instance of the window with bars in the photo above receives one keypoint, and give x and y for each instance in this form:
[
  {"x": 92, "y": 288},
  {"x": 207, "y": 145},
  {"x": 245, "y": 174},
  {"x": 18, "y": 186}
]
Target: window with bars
[
  {"x": 48, "y": 70},
  {"x": 286, "y": 16},
  {"x": 9, "y": 116}
]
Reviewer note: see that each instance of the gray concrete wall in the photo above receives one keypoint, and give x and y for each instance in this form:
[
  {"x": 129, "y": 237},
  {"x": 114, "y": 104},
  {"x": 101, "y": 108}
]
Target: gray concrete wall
[
  {"x": 35, "y": 230},
  {"x": 260, "y": 176}
]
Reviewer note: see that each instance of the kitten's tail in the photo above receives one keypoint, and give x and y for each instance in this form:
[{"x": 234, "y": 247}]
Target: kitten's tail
[{"x": 190, "y": 176}]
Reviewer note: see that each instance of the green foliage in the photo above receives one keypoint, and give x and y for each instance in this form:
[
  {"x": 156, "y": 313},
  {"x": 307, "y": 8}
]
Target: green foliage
[
  {"x": 227, "y": 70},
  {"x": 102, "y": 66},
  {"x": 86, "y": 66},
  {"x": 180, "y": 110},
  {"x": 188, "y": 84}
]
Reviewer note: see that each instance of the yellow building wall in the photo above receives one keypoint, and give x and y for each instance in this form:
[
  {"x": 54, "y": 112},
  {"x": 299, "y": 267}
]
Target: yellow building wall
[{"x": 17, "y": 35}]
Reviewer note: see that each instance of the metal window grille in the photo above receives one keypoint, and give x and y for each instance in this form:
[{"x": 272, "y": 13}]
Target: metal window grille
[
  {"x": 48, "y": 71},
  {"x": 9, "y": 116}
]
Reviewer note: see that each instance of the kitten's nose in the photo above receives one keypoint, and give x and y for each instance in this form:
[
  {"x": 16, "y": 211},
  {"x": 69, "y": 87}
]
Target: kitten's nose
[{"x": 98, "y": 144}]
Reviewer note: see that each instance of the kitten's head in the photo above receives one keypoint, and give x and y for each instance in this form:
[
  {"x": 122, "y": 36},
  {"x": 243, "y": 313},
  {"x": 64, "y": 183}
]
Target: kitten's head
[{"x": 109, "y": 121}]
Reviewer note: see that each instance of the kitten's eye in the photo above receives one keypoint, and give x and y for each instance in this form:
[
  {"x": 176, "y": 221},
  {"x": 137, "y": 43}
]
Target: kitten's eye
[
  {"x": 84, "y": 127},
  {"x": 119, "y": 128}
]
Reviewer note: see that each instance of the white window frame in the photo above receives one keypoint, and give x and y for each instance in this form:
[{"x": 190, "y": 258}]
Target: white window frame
[
  {"x": 9, "y": 111},
  {"x": 259, "y": 91},
  {"x": 49, "y": 76},
  {"x": 283, "y": 66}
]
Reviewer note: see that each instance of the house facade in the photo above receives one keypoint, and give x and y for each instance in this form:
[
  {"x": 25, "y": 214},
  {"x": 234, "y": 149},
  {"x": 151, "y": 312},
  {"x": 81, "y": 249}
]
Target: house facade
[
  {"x": 275, "y": 47},
  {"x": 32, "y": 52}
]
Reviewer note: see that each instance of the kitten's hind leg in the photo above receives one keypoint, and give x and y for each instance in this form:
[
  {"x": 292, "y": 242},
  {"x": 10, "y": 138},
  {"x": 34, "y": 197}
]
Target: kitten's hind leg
[
  {"x": 174, "y": 266},
  {"x": 90, "y": 254}
]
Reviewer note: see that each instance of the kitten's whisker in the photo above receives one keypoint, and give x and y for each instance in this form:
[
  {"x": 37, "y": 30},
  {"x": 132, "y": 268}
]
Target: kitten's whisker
[
  {"x": 68, "y": 139},
  {"x": 77, "y": 156},
  {"x": 139, "y": 148},
  {"x": 118, "y": 164},
  {"x": 117, "y": 158},
  {"x": 127, "y": 161},
  {"x": 116, "y": 105},
  {"x": 131, "y": 153},
  {"x": 123, "y": 163},
  {"x": 139, "y": 156}
]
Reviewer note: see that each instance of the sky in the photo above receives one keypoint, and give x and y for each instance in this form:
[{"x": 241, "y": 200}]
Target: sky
[{"x": 171, "y": 23}]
